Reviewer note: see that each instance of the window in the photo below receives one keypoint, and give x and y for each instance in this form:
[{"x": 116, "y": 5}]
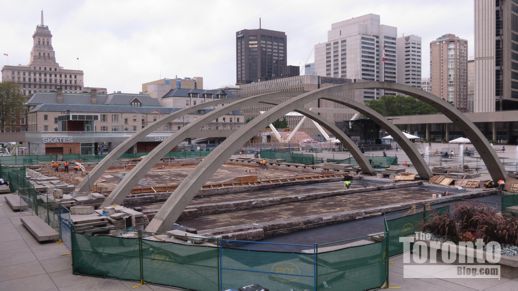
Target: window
[
  {"x": 104, "y": 128},
  {"x": 46, "y": 128},
  {"x": 45, "y": 117},
  {"x": 125, "y": 121},
  {"x": 134, "y": 128},
  {"x": 136, "y": 103},
  {"x": 103, "y": 117},
  {"x": 115, "y": 118}
]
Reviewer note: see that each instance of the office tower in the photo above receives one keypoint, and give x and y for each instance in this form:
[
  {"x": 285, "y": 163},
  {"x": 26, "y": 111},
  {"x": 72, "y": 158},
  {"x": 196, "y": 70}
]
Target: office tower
[
  {"x": 496, "y": 54},
  {"x": 260, "y": 55},
  {"x": 359, "y": 48},
  {"x": 409, "y": 60},
  {"x": 43, "y": 73}
]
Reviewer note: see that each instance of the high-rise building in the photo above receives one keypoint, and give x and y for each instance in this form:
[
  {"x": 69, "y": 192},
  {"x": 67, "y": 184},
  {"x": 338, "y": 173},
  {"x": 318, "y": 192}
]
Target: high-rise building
[
  {"x": 292, "y": 71},
  {"x": 261, "y": 55},
  {"x": 159, "y": 88},
  {"x": 43, "y": 73},
  {"x": 309, "y": 69},
  {"x": 449, "y": 69},
  {"x": 426, "y": 85},
  {"x": 409, "y": 60},
  {"x": 359, "y": 48},
  {"x": 471, "y": 84},
  {"x": 496, "y": 54}
]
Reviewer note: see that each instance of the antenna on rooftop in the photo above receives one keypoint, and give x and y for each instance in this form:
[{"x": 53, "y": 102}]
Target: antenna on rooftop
[
  {"x": 42, "y": 18},
  {"x": 259, "y": 22}
]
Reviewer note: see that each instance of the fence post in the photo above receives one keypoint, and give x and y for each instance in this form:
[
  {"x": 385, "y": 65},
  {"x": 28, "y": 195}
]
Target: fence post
[
  {"x": 220, "y": 271},
  {"x": 141, "y": 257},
  {"x": 387, "y": 255},
  {"x": 315, "y": 266}
]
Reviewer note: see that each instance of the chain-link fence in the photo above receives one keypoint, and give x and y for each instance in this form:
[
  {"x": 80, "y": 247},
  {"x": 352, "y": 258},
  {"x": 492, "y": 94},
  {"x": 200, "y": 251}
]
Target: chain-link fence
[
  {"x": 289, "y": 157},
  {"x": 26, "y": 160},
  {"x": 232, "y": 264}
]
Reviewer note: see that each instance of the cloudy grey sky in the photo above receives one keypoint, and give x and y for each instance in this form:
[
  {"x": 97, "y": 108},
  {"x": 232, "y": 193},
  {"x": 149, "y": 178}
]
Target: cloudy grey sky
[{"x": 121, "y": 44}]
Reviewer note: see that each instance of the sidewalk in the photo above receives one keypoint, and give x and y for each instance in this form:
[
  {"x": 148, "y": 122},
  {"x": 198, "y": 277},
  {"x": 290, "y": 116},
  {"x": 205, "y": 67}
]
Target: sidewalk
[
  {"x": 397, "y": 281},
  {"x": 27, "y": 265}
]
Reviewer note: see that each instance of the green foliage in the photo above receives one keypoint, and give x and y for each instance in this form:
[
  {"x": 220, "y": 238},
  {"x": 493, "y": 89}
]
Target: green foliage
[
  {"x": 11, "y": 104},
  {"x": 400, "y": 105},
  {"x": 281, "y": 123}
]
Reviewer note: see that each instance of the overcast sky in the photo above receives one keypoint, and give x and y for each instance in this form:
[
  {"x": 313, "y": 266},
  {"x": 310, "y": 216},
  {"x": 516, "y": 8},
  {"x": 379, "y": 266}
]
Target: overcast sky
[{"x": 122, "y": 44}]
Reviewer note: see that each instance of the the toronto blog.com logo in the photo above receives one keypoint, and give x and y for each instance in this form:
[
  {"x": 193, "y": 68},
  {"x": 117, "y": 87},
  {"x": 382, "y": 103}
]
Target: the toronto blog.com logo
[{"x": 424, "y": 257}]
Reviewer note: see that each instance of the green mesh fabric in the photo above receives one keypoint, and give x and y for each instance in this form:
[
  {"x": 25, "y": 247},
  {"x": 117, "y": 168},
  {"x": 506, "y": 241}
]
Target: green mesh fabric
[
  {"x": 351, "y": 269},
  {"x": 509, "y": 200},
  {"x": 271, "y": 270},
  {"x": 190, "y": 267},
  {"x": 289, "y": 157},
  {"x": 376, "y": 162},
  {"x": 400, "y": 227},
  {"x": 436, "y": 211},
  {"x": 38, "y": 159},
  {"x": 105, "y": 256}
]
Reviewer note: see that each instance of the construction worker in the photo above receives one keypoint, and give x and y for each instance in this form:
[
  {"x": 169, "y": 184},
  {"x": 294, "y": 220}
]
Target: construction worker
[
  {"x": 55, "y": 166},
  {"x": 348, "y": 180},
  {"x": 65, "y": 165},
  {"x": 501, "y": 184}
]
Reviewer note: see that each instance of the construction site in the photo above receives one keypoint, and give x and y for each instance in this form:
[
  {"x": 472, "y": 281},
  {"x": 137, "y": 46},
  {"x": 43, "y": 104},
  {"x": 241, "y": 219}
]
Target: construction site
[{"x": 247, "y": 198}]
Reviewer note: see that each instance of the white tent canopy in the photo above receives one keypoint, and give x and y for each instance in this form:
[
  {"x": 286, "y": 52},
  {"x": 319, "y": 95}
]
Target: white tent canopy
[
  {"x": 407, "y": 135},
  {"x": 460, "y": 140}
]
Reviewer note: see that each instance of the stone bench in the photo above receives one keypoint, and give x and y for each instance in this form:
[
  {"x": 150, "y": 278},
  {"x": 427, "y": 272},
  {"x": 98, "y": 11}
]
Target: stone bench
[
  {"x": 41, "y": 231},
  {"x": 15, "y": 202},
  {"x": 4, "y": 189}
]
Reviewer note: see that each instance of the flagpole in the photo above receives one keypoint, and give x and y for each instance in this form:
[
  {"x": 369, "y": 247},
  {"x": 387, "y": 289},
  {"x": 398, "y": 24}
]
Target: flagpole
[{"x": 6, "y": 55}]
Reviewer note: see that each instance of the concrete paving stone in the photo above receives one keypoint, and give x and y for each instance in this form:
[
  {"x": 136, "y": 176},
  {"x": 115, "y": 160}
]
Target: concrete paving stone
[
  {"x": 98, "y": 284},
  {"x": 163, "y": 288},
  {"x": 504, "y": 286},
  {"x": 57, "y": 264},
  {"x": 65, "y": 278},
  {"x": 15, "y": 257},
  {"x": 480, "y": 284},
  {"x": 10, "y": 272},
  {"x": 34, "y": 283},
  {"x": 397, "y": 282},
  {"x": 133, "y": 285}
]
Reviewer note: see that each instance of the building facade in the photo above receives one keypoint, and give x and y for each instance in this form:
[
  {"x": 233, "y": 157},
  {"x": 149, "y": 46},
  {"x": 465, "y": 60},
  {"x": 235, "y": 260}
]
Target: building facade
[
  {"x": 91, "y": 123},
  {"x": 43, "y": 73},
  {"x": 158, "y": 88},
  {"x": 261, "y": 55},
  {"x": 309, "y": 69},
  {"x": 449, "y": 70},
  {"x": 426, "y": 85},
  {"x": 359, "y": 48},
  {"x": 496, "y": 54},
  {"x": 471, "y": 85},
  {"x": 409, "y": 60}
]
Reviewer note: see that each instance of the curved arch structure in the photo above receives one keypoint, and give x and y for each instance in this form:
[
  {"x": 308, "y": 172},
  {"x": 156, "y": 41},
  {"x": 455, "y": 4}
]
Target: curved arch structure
[
  {"x": 348, "y": 143},
  {"x": 119, "y": 150},
  {"x": 184, "y": 193},
  {"x": 132, "y": 178}
]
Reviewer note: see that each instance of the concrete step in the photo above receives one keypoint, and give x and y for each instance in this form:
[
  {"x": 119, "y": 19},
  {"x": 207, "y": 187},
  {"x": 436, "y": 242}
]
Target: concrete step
[
  {"x": 41, "y": 231},
  {"x": 15, "y": 202}
]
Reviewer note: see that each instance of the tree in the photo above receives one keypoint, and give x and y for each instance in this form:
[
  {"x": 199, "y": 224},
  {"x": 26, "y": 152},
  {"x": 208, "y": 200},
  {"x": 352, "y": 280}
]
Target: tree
[
  {"x": 280, "y": 123},
  {"x": 11, "y": 105},
  {"x": 400, "y": 105}
]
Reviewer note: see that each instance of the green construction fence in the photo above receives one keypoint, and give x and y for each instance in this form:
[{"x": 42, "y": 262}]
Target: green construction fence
[
  {"x": 289, "y": 157},
  {"x": 222, "y": 267},
  {"x": 27, "y": 160},
  {"x": 376, "y": 162},
  {"x": 408, "y": 225},
  {"x": 508, "y": 200}
]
